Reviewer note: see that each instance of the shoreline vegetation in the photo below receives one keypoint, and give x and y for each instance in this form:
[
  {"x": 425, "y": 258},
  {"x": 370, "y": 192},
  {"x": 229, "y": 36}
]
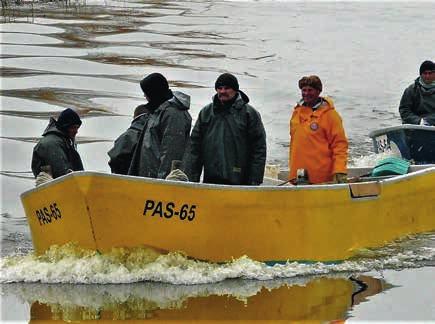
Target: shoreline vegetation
[{"x": 19, "y": 9}]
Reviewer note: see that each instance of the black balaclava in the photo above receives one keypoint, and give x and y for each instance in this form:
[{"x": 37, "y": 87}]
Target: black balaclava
[
  {"x": 68, "y": 118},
  {"x": 156, "y": 88}
]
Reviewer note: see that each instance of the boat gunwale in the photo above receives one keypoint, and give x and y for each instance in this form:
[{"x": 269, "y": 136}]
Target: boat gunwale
[
  {"x": 277, "y": 187},
  {"x": 386, "y": 130}
]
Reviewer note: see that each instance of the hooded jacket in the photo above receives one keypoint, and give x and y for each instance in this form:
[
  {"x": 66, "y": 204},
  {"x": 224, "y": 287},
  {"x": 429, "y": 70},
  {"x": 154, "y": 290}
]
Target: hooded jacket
[
  {"x": 229, "y": 143},
  {"x": 121, "y": 154},
  {"x": 164, "y": 138},
  {"x": 417, "y": 102},
  {"x": 56, "y": 149},
  {"x": 318, "y": 142}
]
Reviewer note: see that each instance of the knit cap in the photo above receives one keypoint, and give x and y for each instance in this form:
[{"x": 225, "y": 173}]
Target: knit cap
[
  {"x": 228, "y": 80},
  {"x": 155, "y": 86},
  {"x": 427, "y": 66},
  {"x": 68, "y": 118}
]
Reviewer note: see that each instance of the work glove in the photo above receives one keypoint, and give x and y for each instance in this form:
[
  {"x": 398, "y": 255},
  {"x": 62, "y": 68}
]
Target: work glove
[
  {"x": 42, "y": 177},
  {"x": 177, "y": 175},
  {"x": 424, "y": 122},
  {"x": 339, "y": 178}
]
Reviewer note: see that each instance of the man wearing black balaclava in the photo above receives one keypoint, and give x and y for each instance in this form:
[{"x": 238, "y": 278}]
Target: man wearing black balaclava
[
  {"x": 56, "y": 150},
  {"x": 165, "y": 134},
  {"x": 228, "y": 139}
]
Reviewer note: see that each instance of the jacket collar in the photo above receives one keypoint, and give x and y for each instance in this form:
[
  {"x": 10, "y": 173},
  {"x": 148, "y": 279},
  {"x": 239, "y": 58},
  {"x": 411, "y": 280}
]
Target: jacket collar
[
  {"x": 324, "y": 105},
  {"x": 241, "y": 100}
]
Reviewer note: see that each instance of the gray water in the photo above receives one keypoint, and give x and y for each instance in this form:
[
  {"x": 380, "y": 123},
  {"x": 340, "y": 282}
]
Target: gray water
[{"x": 91, "y": 57}]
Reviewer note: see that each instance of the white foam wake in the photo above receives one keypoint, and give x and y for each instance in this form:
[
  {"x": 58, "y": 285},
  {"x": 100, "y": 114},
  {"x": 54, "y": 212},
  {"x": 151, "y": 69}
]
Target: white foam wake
[{"x": 175, "y": 268}]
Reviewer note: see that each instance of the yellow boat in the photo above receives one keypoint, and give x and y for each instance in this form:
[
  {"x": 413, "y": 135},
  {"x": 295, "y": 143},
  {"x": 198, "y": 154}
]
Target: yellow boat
[{"x": 219, "y": 223}]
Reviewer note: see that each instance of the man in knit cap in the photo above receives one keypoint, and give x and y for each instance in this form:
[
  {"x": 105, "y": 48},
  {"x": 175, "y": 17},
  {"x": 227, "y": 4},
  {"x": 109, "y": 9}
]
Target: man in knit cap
[
  {"x": 417, "y": 105},
  {"x": 56, "y": 154},
  {"x": 165, "y": 133},
  {"x": 228, "y": 139}
]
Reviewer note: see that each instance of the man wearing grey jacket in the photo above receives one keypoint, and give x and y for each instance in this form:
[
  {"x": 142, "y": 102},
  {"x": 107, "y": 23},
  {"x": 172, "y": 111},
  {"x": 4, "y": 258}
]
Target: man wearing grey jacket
[
  {"x": 417, "y": 105},
  {"x": 121, "y": 153},
  {"x": 56, "y": 150},
  {"x": 165, "y": 135}
]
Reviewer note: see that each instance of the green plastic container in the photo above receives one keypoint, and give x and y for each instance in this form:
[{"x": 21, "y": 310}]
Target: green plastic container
[{"x": 390, "y": 166}]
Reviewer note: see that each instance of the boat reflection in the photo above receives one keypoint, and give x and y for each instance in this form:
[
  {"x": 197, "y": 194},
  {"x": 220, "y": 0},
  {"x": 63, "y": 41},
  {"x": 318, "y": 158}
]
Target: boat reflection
[{"x": 314, "y": 298}]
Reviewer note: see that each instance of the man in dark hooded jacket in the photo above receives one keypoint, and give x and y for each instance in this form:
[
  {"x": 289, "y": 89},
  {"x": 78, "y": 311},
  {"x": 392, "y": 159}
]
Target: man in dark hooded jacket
[
  {"x": 228, "y": 139},
  {"x": 57, "y": 147},
  {"x": 121, "y": 154},
  {"x": 417, "y": 105},
  {"x": 165, "y": 136}
]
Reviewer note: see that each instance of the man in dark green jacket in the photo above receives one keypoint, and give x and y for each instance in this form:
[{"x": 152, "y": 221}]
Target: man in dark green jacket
[
  {"x": 121, "y": 154},
  {"x": 57, "y": 148},
  {"x": 417, "y": 105},
  {"x": 165, "y": 136},
  {"x": 228, "y": 140}
]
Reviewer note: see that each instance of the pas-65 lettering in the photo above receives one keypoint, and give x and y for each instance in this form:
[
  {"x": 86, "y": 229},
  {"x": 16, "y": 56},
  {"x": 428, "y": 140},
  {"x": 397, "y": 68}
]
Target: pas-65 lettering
[
  {"x": 48, "y": 214},
  {"x": 168, "y": 210}
]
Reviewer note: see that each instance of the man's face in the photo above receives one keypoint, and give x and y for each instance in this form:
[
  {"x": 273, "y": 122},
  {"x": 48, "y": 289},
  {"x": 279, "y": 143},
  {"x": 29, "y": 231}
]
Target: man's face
[
  {"x": 225, "y": 93},
  {"x": 72, "y": 131},
  {"x": 310, "y": 95},
  {"x": 428, "y": 76}
]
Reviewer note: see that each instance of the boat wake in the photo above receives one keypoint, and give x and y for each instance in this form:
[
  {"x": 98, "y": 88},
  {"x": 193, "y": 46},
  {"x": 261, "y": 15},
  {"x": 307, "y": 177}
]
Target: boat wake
[{"x": 70, "y": 264}]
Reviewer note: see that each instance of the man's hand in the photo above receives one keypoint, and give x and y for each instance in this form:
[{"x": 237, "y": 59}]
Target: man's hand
[
  {"x": 177, "y": 175},
  {"x": 339, "y": 178},
  {"x": 42, "y": 178},
  {"x": 424, "y": 122}
]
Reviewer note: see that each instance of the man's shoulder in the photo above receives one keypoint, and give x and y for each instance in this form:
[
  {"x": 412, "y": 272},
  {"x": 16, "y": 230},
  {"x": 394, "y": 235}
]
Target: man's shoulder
[
  {"x": 207, "y": 106},
  {"x": 414, "y": 86},
  {"x": 139, "y": 121},
  {"x": 130, "y": 135},
  {"x": 250, "y": 110},
  {"x": 207, "y": 109},
  {"x": 51, "y": 139},
  {"x": 249, "y": 107}
]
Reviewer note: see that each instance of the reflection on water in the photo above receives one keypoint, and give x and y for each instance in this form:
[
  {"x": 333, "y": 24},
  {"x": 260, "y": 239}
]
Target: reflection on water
[
  {"x": 77, "y": 98},
  {"x": 315, "y": 298}
]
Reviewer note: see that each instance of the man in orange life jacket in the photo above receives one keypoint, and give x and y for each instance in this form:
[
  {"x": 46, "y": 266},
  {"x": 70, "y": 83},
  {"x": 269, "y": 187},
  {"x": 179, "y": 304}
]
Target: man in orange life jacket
[{"x": 318, "y": 142}]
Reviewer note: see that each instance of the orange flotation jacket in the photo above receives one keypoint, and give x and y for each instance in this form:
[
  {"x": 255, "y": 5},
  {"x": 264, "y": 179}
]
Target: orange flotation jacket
[{"x": 318, "y": 142}]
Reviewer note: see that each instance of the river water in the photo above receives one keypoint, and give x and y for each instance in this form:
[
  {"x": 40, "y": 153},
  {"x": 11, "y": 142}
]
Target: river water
[{"x": 91, "y": 56}]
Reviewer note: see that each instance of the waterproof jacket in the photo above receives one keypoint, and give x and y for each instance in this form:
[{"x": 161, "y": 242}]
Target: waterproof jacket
[
  {"x": 164, "y": 138},
  {"x": 318, "y": 142},
  {"x": 417, "y": 102},
  {"x": 121, "y": 154},
  {"x": 56, "y": 149},
  {"x": 229, "y": 143}
]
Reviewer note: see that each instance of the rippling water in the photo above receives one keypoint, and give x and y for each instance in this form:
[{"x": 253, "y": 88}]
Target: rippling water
[{"x": 92, "y": 56}]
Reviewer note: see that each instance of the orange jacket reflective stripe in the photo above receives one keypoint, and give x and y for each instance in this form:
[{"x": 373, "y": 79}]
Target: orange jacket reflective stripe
[{"x": 318, "y": 142}]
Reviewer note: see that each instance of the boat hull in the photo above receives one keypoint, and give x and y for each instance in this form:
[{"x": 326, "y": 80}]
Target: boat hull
[
  {"x": 220, "y": 223},
  {"x": 412, "y": 142}
]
